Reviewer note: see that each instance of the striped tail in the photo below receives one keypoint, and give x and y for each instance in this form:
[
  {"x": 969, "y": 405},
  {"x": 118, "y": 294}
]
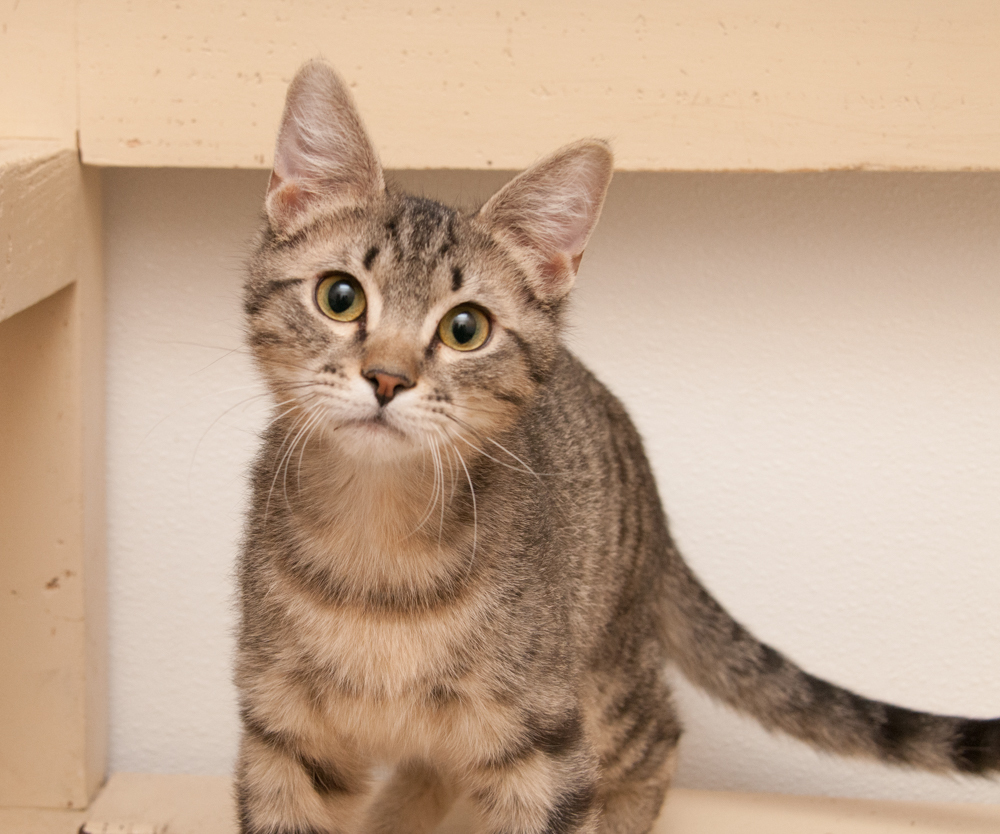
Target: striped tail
[{"x": 717, "y": 654}]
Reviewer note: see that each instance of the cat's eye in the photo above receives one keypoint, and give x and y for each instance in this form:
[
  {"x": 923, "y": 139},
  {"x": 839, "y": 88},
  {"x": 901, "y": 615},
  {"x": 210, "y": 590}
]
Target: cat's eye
[
  {"x": 340, "y": 296},
  {"x": 464, "y": 327}
]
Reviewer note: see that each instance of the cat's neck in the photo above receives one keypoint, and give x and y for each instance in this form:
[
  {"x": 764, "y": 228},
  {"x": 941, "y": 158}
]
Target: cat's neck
[{"x": 407, "y": 514}]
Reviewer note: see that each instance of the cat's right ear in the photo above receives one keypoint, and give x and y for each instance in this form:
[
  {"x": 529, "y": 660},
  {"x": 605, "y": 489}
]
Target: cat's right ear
[
  {"x": 323, "y": 158},
  {"x": 548, "y": 212}
]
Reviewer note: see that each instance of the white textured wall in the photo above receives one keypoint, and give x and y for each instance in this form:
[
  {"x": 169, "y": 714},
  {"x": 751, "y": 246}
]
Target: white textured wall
[{"x": 814, "y": 361}]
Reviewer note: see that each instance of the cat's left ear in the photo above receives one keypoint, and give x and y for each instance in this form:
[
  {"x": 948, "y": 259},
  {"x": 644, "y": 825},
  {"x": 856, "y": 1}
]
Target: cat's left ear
[
  {"x": 323, "y": 156},
  {"x": 549, "y": 211}
]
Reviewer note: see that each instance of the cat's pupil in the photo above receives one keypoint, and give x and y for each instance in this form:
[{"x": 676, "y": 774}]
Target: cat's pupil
[
  {"x": 341, "y": 297},
  {"x": 463, "y": 327}
]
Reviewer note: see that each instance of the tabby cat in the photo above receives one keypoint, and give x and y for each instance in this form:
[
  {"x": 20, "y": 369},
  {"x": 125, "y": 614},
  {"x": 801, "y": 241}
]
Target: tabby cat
[{"x": 456, "y": 564}]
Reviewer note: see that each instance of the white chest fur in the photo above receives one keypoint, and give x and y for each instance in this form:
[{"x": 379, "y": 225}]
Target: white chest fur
[
  {"x": 383, "y": 653},
  {"x": 398, "y": 684}
]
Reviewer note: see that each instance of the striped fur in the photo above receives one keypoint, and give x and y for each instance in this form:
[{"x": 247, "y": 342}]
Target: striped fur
[{"x": 473, "y": 583}]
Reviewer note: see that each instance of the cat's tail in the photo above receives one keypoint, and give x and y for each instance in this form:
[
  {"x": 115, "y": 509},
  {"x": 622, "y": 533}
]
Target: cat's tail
[{"x": 719, "y": 655}]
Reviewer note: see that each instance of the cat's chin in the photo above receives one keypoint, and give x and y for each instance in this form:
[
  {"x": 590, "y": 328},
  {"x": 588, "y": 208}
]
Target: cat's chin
[{"x": 374, "y": 438}]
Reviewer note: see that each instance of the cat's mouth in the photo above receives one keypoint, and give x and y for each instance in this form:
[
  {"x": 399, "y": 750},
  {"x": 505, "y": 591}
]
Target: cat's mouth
[{"x": 375, "y": 426}]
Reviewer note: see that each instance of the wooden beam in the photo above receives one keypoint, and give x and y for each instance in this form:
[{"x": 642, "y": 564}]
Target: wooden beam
[
  {"x": 39, "y": 205},
  {"x": 717, "y": 85},
  {"x": 53, "y": 637},
  {"x": 53, "y": 700},
  {"x": 38, "y": 79}
]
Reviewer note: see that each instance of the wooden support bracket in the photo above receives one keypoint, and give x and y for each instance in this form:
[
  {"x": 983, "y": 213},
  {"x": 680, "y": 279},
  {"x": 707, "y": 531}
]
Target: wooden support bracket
[{"x": 53, "y": 700}]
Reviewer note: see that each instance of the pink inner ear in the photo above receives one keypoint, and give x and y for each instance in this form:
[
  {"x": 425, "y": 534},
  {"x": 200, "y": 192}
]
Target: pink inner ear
[
  {"x": 556, "y": 271},
  {"x": 303, "y": 156},
  {"x": 551, "y": 209},
  {"x": 568, "y": 230},
  {"x": 558, "y": 233},
  {"x": 287, "y": 199},
  {"x": 323, "y": 154}
]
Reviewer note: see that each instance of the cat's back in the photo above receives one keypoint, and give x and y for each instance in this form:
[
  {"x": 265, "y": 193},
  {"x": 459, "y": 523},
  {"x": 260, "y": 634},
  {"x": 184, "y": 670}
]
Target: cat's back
[
  {"x": 581, "y": 428},
  {"x": 609, "y": 531}
]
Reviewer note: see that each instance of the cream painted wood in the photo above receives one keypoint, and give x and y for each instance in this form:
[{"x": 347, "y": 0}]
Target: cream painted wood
[
  {"x": 53, "y": 639},
  {"x": 137, "y": 803},
  {"x": 38, "y": 90},
  {"x": 718, "y": 85},
  {"x": 39, "y": 203}
]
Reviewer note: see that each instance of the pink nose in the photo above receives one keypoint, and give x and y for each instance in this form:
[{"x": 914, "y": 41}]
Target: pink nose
[{"x": 386, "y": 384}]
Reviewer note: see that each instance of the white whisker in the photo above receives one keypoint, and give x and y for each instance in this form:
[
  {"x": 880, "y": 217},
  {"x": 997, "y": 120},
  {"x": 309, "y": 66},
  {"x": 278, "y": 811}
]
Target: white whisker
[
  {"x": 202, "y": 398},
  {"x": 291, "y": 450},
  {"x": 277, "y": 469},
  {"x": 524, "y": 466},
  {"x": 475, "y": 515},
  {"x": 316, "y": 420},
  {"x": 430, "y": 504},
  {"x": 486, "y": 454}
]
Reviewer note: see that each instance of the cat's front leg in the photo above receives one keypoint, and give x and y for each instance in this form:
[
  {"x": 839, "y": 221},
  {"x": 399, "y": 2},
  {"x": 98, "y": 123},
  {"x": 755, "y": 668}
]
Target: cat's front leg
[
  {"x": 414, "y": 801},
  {"x": 281, "y": 789},
  {"x": 545, "y": 785}
]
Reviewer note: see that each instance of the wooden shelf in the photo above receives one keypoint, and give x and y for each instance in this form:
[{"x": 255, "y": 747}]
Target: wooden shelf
[
  {"x": 715, "y": 85},
  {"x": 136, "y": 803}
]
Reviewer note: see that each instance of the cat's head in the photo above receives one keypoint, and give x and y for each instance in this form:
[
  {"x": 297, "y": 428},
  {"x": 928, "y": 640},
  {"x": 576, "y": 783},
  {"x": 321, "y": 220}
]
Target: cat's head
[{"x": 393, "y": 321}]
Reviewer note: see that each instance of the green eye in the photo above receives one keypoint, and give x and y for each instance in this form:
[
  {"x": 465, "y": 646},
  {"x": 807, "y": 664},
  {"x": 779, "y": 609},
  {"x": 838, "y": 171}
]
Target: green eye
[
  {"x": 340, "y": 296},
  {"x": 464, "y": 327}
]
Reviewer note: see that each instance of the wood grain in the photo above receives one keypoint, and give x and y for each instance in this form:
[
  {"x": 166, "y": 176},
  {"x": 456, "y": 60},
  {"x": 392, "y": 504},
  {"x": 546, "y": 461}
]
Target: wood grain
[
  {"x": 718, "y": 85},
  {"x": 39, "y": 212},
  {"x": 53, "y": 639},
  {"x": 38, "y": 89}
]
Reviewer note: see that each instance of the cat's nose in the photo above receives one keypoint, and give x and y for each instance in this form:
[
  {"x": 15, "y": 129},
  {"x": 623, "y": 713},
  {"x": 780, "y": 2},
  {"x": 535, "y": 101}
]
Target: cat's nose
[{"x": 386, "y": 383}]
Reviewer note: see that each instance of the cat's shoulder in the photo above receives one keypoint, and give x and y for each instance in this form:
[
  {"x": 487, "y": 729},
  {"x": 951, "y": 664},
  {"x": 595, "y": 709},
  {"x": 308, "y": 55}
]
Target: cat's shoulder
[{"x": 576, "y": 389}]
